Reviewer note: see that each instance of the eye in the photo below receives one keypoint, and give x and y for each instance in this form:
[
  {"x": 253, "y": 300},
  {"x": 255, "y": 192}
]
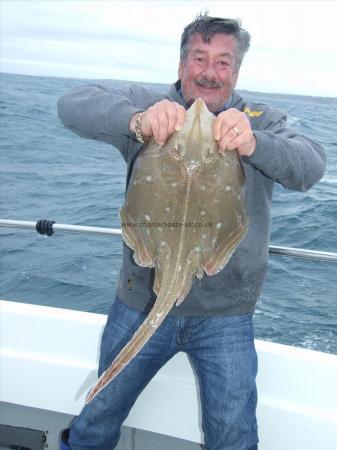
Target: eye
[
  {"x": 223, "y": 64},
  {"x": 199, "y": 60}
]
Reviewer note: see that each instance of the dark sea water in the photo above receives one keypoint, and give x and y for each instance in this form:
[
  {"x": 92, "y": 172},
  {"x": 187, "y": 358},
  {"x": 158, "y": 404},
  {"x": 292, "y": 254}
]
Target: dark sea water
[{"x": 48, "y": 172}]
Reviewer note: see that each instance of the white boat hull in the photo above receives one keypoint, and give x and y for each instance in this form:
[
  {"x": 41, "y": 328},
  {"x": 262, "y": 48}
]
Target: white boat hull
[{"x": 49, "y": 361}]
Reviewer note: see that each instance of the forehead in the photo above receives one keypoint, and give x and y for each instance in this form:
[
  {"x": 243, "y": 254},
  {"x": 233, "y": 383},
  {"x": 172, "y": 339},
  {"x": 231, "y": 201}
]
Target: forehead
[{"x": 219, "y": 44}]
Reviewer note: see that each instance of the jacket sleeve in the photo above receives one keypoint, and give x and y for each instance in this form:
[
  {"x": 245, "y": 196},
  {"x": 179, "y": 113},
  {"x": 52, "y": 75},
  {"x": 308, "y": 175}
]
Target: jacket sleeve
[
  {"x": 104, "y": 113},
  {"x": 283, "y": 154}
]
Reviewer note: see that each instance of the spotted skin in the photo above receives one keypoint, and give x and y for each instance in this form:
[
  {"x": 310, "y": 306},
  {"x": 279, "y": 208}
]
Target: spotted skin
[{"x": 184, "y": 214}]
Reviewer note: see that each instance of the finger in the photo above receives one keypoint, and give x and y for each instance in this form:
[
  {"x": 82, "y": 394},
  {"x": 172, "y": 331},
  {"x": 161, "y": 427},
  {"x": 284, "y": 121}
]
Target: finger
[
  {"x": 155, "y": 127},
  {"x": 160, "y": 122},
  {"x": 242, "y": 133},
  {"x": 163, "y": 122},
  {"x": 150, "y": 123},
  {"x": 154, "y": 122},
  {"x": 238, "y": 141},
  {"x": 232, "y": 129},
  {"x": 241, "y": 142},
  {"x": 181, "y": 117},
  {"x": 218, "y": 122},
  {"x": 227, "y": 138},
  {"x": 224, "y": 122},
  {"x": 172, "y": 116}
]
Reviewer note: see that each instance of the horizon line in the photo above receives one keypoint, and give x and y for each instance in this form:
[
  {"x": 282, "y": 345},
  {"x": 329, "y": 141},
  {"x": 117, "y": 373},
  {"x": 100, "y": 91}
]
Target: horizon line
[{"x": 162, "y": 84}]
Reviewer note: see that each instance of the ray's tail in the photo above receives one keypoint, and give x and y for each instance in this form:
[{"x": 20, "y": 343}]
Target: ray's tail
[{"x": 161, "y": 308}]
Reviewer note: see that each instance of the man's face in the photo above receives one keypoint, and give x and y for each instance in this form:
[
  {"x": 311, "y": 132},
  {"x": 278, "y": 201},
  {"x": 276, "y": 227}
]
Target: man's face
[{"x": 209, "y": 70}]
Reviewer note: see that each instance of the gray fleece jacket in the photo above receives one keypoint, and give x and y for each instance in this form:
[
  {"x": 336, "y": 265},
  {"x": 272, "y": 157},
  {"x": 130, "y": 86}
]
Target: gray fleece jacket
[{"x": 282, "y": 155}]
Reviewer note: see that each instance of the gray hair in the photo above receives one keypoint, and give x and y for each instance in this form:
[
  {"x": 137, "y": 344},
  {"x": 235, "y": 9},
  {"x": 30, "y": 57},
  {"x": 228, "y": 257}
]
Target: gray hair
[{"x": 209, "y": 26}]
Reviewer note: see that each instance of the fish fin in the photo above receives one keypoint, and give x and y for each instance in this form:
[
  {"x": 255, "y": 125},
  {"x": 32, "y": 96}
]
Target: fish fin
[
  {"x": 137, "y": 240},
  {"x": 220, "y": 256}
]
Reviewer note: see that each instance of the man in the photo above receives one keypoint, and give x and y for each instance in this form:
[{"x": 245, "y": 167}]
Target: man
[{"x": 214, "y": 323}]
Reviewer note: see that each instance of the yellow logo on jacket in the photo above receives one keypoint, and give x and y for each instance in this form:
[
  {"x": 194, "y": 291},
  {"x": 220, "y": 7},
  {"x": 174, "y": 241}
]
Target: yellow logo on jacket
[{"x": 251, "y": 113}]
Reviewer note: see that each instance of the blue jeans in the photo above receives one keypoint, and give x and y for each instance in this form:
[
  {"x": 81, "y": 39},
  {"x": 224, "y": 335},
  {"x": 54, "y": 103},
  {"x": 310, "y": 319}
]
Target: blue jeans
[{"x": 222, "y": 352}]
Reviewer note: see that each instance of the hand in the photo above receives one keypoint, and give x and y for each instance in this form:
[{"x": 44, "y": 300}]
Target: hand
[
  {"x": 161, "y": 120},
  {"x": 232, "y": 130}
]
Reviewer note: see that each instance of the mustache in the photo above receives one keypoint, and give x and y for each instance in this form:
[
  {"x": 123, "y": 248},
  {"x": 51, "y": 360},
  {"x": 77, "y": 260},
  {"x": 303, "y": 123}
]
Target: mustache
[{"x": 209, "y": 84}]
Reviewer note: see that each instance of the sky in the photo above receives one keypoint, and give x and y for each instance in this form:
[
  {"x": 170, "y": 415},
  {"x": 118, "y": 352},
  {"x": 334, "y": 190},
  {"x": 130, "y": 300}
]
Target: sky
[{"x": 293, "y": 48}]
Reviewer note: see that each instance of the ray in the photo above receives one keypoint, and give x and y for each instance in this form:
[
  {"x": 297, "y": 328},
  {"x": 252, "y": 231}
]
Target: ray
[{"x": 185, "y": 215}]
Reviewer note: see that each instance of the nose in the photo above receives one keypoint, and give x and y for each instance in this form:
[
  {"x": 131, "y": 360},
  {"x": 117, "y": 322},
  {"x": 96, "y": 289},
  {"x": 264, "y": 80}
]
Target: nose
[{"x": 209, "y": 71}]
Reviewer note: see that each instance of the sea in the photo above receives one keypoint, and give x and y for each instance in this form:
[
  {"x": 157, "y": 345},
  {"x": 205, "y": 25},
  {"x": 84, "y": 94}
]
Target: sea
[{"x": 48, "y": 172}]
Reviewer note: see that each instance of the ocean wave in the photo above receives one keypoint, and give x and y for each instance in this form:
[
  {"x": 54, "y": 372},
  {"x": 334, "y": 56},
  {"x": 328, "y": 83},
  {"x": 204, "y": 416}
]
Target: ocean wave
[{"x": 49, "y": 172}]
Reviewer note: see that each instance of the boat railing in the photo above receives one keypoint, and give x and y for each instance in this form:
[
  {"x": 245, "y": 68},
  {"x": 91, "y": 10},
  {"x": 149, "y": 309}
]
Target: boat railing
[{"x": 49, "y": 227}]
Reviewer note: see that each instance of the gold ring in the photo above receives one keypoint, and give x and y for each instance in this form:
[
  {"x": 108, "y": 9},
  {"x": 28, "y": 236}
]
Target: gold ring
[{"x": 237, "y": 131}]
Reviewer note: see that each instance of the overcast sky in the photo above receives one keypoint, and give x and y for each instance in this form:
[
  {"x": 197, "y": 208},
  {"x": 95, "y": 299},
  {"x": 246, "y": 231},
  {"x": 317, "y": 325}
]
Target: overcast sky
[{"x": 293, "y": 46}]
